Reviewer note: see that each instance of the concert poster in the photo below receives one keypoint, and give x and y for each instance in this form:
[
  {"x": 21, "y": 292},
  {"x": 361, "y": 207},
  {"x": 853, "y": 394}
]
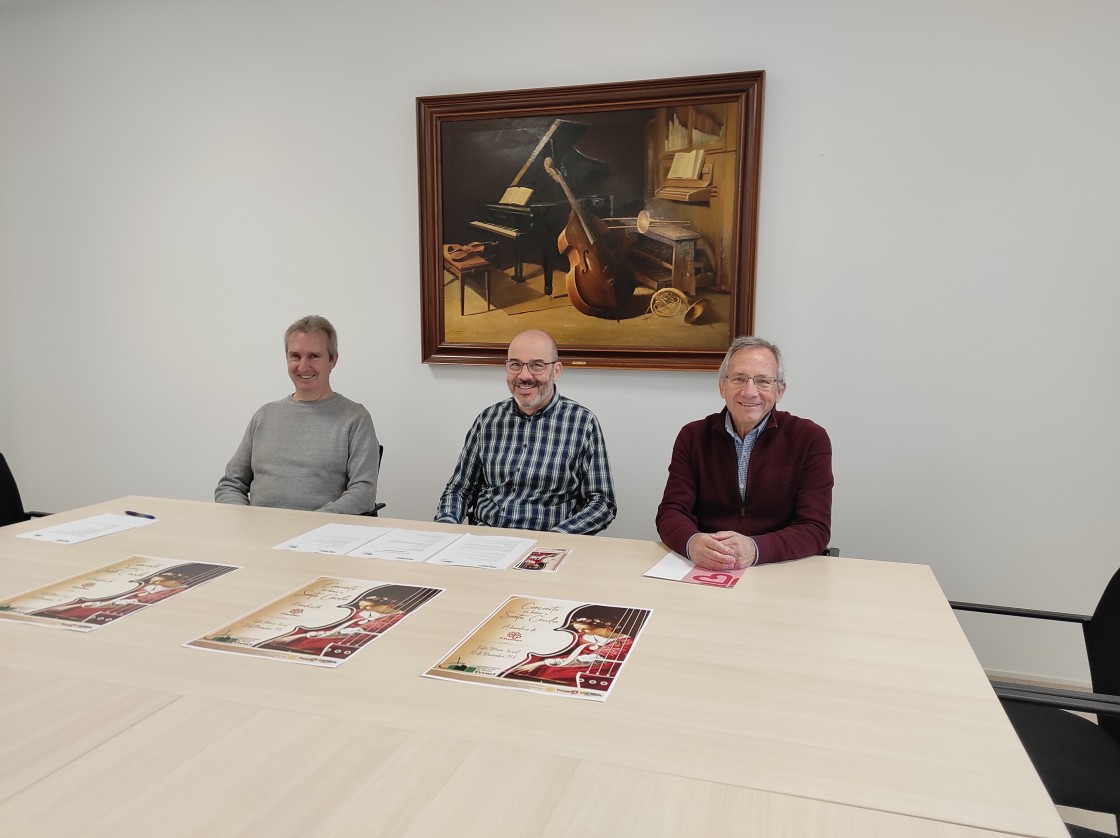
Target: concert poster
[
  {"x": 99, "y": 597},
  {"x": 547, "y": 561},
  {"x": 323, "y": 623},
  {"x": 559, "y": 647}
]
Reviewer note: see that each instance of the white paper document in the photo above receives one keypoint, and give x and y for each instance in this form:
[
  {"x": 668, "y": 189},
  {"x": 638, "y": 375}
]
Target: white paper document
[
  {"x": 87, "y": 528},
  {"x": 496, "y": 552},
  {"x": 333, "y": 539},
  {"x": 407, "y": 545}
]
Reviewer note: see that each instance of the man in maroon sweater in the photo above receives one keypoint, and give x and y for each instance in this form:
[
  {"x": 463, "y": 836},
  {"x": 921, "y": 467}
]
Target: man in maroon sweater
[{"x": 749, "y": 484}]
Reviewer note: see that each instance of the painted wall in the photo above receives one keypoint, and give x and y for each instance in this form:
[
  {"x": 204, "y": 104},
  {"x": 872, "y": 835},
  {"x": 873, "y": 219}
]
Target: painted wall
[{"x": 938, "y": 254}]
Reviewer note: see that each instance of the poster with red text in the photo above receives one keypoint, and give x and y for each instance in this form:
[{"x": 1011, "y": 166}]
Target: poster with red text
[
  {"x": 99, "y": 597},
  {"x": 560, "y": 647},
  {"x": 323, "y": 623}
]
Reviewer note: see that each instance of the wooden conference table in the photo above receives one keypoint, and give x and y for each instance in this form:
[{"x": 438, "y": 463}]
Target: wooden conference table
[{"x": 824, "y": 697}]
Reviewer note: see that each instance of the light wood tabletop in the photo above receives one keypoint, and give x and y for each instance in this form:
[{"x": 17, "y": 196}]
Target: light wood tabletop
[{"x": 827, "y": 696}]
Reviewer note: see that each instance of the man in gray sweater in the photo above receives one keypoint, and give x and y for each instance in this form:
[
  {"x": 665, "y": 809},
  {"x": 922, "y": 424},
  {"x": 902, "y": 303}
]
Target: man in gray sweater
[{"x": 315, "y": 449}]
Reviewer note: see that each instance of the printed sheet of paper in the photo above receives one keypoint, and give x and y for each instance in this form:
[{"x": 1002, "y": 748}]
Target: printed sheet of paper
[
  {"x": 679, "y": 569},
  {"x": 495, "y": 552},
  {"x": 547, "y": 561},
  {"x": 333, "y": 539},
  {"x": 87, "y": 528},
  {"x": 561, "y": 647},
  {"x": 322, "y": 623},
  {"x": 407, "y": 545},
  {"x": 93, "y": 599}
]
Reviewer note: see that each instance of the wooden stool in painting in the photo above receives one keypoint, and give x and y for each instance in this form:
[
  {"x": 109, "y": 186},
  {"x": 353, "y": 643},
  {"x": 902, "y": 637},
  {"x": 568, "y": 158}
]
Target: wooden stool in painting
[{"x": 463, "y": 260}]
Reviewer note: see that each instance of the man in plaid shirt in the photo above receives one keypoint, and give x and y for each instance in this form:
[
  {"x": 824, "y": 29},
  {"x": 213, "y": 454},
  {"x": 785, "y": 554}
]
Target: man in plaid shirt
[{"x": 536, "y": 461}]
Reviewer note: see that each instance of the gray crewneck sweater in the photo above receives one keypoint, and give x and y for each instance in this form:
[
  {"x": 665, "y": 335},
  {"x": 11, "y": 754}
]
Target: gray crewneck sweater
[{"x": 320, "y": 455}]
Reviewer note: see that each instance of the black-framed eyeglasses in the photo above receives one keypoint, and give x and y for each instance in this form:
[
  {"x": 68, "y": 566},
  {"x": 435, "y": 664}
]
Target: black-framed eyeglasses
[
  {"x": 762, "y": 382},
  {"x": 535, "y": 367}
]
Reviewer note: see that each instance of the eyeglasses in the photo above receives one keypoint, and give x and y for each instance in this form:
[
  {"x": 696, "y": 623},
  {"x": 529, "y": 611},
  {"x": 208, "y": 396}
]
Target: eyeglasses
[
  {"x": 762, "y": 382},
  {"x": 535, "y": 367}
]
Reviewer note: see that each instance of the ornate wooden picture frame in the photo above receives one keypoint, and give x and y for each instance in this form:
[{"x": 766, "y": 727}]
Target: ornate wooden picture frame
[{"x": 620, "y": 218}]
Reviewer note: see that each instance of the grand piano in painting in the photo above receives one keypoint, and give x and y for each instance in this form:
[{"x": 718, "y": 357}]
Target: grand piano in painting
[{"x": 533, "y": 210}]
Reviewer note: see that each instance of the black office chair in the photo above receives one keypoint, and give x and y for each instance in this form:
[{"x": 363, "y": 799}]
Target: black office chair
[
  {"x": 1077, "y": 759},
  {"x": 378, "y": 506},
  {"x": 11, "y": 504},
  {"x": 1076, "y": 831}
]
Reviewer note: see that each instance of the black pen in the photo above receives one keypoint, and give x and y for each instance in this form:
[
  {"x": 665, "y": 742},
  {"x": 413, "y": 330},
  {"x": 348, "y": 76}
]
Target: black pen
[{"x": 139, "y": 514}]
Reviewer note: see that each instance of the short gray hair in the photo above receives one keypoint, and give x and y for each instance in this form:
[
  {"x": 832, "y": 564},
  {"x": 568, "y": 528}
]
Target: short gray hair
[
  {"x": 746, "y": 342},
  {"x": 314, "y": 323}
]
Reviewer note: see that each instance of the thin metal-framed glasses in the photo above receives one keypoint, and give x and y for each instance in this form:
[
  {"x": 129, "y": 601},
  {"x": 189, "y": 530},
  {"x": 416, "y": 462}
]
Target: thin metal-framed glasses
[{"x": 762, "y": 382}]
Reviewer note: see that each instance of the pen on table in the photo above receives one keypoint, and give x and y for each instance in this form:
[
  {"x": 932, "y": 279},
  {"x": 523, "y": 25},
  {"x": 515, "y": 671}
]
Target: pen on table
[{"x": 139, "y": 514}]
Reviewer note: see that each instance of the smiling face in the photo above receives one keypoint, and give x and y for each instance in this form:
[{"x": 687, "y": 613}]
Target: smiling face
[
  {"x": 533, "y": 390},
  {"x": 309, "y": 366},
  {"x": 747, "y": 403}
]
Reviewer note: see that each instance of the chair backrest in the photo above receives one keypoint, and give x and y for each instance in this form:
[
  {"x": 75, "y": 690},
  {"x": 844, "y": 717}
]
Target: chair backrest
[
  {"x": 1102, "y": 642},
  {"x": 11, "y": 505},
  {"x": 379, "y": 505}
]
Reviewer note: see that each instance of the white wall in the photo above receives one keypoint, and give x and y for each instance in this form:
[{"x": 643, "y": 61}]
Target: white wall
[{"x": 938, "y": 253}]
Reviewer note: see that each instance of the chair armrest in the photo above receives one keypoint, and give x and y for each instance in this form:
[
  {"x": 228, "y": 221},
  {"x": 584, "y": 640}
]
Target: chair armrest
[
  {"x": 1083, "y": 702},
  {"x": 1018, "y": 612},
  {"x": 31, "y": 513}
]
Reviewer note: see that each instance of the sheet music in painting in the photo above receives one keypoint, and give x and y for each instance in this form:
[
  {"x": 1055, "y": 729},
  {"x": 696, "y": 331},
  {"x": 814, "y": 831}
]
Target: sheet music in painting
[
  {"x": 517, "y": 195},
  {"x": 99, "y": 597},
  {"x": 323, "y": 623},
  {"x": 686, "y": 164},
  {"x": 560, "y": 647}
]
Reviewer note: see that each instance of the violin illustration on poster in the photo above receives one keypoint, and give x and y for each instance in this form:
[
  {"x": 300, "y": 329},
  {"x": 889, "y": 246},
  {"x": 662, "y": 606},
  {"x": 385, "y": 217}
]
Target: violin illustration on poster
[{"x": 559, "y": 647}]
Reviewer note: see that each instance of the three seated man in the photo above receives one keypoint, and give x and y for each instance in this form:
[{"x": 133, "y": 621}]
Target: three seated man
[{"x": 747, "y": 485}]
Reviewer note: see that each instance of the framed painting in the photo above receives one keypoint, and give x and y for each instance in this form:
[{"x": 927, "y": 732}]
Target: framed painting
[{"x": 620, "y": 218}]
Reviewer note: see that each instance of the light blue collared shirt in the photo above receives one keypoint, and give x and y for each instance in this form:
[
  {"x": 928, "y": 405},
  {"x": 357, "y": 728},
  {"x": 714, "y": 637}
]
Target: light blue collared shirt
[{"x": 743, "y": 447}]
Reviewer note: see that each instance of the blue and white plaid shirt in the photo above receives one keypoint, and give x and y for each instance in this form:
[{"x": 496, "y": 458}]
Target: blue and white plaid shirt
[{"x": 548, "y": 471}]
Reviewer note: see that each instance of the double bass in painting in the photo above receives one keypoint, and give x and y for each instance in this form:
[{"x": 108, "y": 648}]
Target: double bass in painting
[{"x": 600, "y": 281}]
